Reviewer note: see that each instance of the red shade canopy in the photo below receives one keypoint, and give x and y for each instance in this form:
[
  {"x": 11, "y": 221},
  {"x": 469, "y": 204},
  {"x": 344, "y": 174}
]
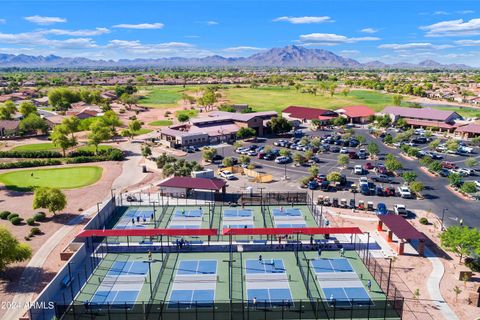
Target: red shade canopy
[
  {"x": 147, "y": 232},
  {"x": 284, "y": 231}
]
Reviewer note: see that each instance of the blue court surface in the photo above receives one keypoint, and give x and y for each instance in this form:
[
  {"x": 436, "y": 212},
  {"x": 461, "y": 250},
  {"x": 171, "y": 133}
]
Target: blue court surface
[
  {"x": 331, "y": 265},
  {"x": 183, "y": 226},
  {"x": 197, "y": 267},
  {"x": 265, "y": 266},
  {"x": 197, "y": 213},
  {"x": 290, "y": 225},
  {"x": 238, "y": 226},
  {"x": 270, "y": 297},
  {"x": 233, "y": 213},
  {"x": 141, "y": 213},
  {"x": 128, "y": 268},
  {"x": 191, "y": 298},
  {"x": 129, "y": 226},
  {"x": 115, "y": 298},
  {"x": 345, "y": 297},
  {"x": 287, "y": 212}
]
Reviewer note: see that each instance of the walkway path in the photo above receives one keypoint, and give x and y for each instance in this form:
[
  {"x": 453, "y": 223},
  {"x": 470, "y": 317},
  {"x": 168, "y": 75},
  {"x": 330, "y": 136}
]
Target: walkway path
[
  {"x": 131, "y": 174},
  {"x": 433, "y": 285}
]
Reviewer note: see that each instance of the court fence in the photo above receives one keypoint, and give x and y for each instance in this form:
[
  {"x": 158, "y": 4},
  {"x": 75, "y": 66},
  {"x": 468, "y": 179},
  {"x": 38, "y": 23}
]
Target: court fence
[{"x": 202, "y": 310}]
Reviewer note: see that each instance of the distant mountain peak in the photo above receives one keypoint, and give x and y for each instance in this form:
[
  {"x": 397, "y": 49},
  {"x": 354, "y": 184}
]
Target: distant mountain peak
[{"x": 291, "y": 56}]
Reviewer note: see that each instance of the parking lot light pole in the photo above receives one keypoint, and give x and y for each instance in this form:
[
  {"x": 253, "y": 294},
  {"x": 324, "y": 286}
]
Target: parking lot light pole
[
  {"x": 285, "y": 176},
  {"x": 442, "y": 228}
]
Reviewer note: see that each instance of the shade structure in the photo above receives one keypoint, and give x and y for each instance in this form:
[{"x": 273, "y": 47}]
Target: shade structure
[
  {"x": 147, "y": 233},
  {"x": 284, "y": 231},
  {"x": 401, "y": 227}
]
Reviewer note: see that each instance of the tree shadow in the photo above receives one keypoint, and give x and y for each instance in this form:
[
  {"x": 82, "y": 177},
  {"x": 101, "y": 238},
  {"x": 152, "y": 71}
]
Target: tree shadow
[{"x": 10, "y": 278}]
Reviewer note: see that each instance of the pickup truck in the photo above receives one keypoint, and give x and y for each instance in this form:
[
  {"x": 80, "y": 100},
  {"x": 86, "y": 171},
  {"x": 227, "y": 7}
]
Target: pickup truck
[{"x": 381, "y": 178}]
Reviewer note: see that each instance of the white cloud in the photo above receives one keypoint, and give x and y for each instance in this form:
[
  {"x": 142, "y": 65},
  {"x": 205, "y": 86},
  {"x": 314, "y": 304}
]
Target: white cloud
[
  {"x": 413, "y": 45},
  {"x": 440, "y": 13},
  {"x": 349, "y": 52},
  {"x": 243, "y": 48},
  {"x": 331, "y": 39},
  {"x": 45, "y": 20},
  {"x": 369, "y": 30},
  {"x": 156, "y": 25},
  {"x": 453, "y": 28},
  {"x": 3, "y": 21},
  {"x": 211, "y": 22},
  {"x": 468, "y": 43},
  {"x": 77, "y": 33},
  {"x": 304, "y": 20},
  {"x": 38, "y": 39},
  {"x": 465, "y": 11},
  {"x": 135, "y": 48}
]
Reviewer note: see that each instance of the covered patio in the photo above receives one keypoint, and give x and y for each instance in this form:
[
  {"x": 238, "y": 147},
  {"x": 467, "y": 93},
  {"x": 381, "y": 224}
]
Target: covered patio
[{"x": 397, "y": 226}]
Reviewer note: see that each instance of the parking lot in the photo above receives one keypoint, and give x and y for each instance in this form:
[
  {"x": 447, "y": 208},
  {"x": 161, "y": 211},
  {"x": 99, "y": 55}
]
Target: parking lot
[{"x": 437, "y": 198}]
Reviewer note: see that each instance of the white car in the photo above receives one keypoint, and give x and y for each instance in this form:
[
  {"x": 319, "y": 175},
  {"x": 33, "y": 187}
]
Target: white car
[
  {"x": 466, "y": 172},
  {"x": 344, "y": 150},
  {"x": 227, "y": 175},
  {"x": 400, "y": 209},
  {"x": 405, "y": 192},
  {"x": 358, "y": 169},
  {"x": 477, "y": 183},
  {"x": 363, "y": 180},
  {"x": 461, "y": 171},
  {"x": 464, "y": 149}
]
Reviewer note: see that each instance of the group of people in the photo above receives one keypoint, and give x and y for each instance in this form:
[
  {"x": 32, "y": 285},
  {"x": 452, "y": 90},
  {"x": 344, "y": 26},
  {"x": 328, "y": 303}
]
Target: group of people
[{"x": 144, "y": 219}]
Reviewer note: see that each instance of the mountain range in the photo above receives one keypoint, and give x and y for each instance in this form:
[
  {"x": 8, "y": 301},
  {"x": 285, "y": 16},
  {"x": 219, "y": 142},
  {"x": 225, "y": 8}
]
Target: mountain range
[{"x": 287, "y": 57}]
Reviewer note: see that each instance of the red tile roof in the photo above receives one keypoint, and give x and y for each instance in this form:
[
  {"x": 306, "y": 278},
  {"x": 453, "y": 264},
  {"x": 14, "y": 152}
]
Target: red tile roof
[
  {"x": 357, "y": 111},
  {"x": 307, "y": 113},
  {"x": 400, "y": 227},
  {"x": 420, "y": 113},
  {"x": 194, "y": 183},
  {"x": 470, "y": 128}
]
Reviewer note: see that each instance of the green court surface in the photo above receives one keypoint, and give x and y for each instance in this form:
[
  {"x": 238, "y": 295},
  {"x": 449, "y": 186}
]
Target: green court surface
[
  {"x": 62, "y": 178},
  {"x": 161, "y": 123},
  {"x": 37, "y": 147}
]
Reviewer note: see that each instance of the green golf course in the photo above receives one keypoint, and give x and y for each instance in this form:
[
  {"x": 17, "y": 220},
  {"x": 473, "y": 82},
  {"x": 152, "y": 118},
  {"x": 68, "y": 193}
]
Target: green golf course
[{"x": 62, "y": 178}]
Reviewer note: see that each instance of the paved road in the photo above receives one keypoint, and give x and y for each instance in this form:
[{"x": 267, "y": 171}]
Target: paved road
[{"x": 437, "y": 196}]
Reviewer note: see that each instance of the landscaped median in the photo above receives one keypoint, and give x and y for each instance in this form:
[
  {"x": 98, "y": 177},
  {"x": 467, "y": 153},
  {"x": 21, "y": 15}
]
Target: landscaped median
[{"x": 62, "y": 178}]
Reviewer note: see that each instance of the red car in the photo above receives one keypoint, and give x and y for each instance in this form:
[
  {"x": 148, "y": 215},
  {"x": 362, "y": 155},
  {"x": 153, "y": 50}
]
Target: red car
[
  {"x": 389, "y": 192},
  {"x": 381, "y": 169},
  {"x": 368, "y": 166},
  {"x": 448, "y": 165},
  {"x": 353, "y": 155}
]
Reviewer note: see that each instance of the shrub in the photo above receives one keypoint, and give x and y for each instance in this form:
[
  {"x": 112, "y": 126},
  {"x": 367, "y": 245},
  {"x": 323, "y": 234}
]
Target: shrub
[
  {"x": 30, "y": 154},
  {"x": 424, "y": 221},
  {"x": 30, "y": 221},
  {"x": 30, "y": 164},
  {"x": 35, "y": 231},
  {"x": 27, "y": 238},
  {"x": 473, "y": 264},
  {"x": 12, "y": 215},
  {"x": 39, "y": 216},
  {"x": 16, "y": 221},
  {"x": 4, "y": 214}
]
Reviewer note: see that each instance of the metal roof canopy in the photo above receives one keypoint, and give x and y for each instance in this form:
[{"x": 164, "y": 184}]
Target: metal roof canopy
[
  {"x": 400, "y": 227},
  {"x": 284, "y": 231},
  {"x": 147, "y": 232}
]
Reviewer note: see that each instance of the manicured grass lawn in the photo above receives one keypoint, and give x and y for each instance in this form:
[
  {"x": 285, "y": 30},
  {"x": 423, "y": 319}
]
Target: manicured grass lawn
[
  {"x": 63, "y": 178},
  {"x": 190, "y": 113},
  {"x": 163, "y": 96},
  {"x": 92, "y": 148},
  {"x": 37, "y": 147},
  {"x": 464, "y": 112},
  {"x": 161, "y": 123},
  {"x": 278, "y": 98},
  {"x": 142, "y": 131}
]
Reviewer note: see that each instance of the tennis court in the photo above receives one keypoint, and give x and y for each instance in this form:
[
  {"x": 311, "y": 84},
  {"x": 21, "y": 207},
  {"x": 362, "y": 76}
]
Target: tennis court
[
  {"x": 136, "y": 218},
  {"x": 238, "y": 218},
  {"x": 340, "y": 284},
  {"x": 194, "y": 284},
  {"x": 288, "y": 218},
  {"x": 122, "y": 284},
  {"x": 186, "y": 219}
]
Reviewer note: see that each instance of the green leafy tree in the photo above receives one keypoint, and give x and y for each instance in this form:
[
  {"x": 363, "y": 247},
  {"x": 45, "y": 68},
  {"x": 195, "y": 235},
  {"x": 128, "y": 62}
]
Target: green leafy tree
[
  {"x": 208, "y": 154},
  {"x": 434, "y": 144},
  {"x": 227, "y": 162},
  {"x": 11, "y": 250},
  {"x": 71, "y": 124},
  {"x": 343, "y": 160},
  {"x": 245, "y": 132},
  {"x": 452, "y": 145},
  {"x": 316, "y": 142},
  {"x": 134, "y": 126},
  {"x": 7, "y": 110},
  {"x": 183, "y": 117},
  {"x": 59, "y": 137},
  {"x": 402, "y": 123},
  {"x": 455, "y": 179},
  {"x": 397, "y": 99},
  {"x": 27, "y": 108},
  {"x": 314, "y": 170},
  {"x": 461, "y": 240},
  {"x": 383, "y": 121},
  {"x": 52, "y": 199},
  {"x": 111, "y": 119},
  {"x": 308, "y": 155},
  {"x": 434, "y": 166},
  {"x": 457, "y": 291},
  {"x": 33, "y": 123},
  {"x": 476, "y": 141},
  {"x": 373, "y": 149},
  {"x": 409, "y": 176},
  {"x": 416, "y": 186},
  {"x": 129, "y": 100},
  {"x": 279, "y": 125},
  {"x": 244, "y": 159},
  {"x": 392, "y": 163},
  {"x": 298, "y": 158},
  {"x": 471, "y": 162},
  {"x": 98, "y": 134},
  {"x": 339, "y": 121},
  {"x": 285, "y": 152},
  {"x": 334, "y": 176},
  {"x": 388, "y": 139},
  {"x": 146, "y": 151},
  {"x": 469, "y": 187}
]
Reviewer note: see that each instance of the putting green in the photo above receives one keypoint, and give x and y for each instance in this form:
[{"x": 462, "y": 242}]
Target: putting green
[{"x": 62, "y": 178}]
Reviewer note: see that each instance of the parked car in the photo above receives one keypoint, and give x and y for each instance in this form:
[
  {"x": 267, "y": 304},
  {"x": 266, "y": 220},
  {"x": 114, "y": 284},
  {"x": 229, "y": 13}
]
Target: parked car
[
  {"x": 364, "y": 189},
  {"x": 405, "y": 192},
  {"x": 358, "y": 169},
  {"x": 363, "y": 180},
  {"x": 344, "y": 150},
  {"x": 368, "y": 166},
  {"x": 465, "y": 149},
  {"x": 227, "y": 175},
  {"x": 381, "y": 209},
  {"x": 448, "y": 165},
  {"x": 283, "y": 160},
  {"x": 400, "y": 209},
  {"x": 381, "y": 169},
  {"x": 352, "y": 155},
  {"x": 477, "y": 183},
  {"x": 312, "y": 184},
  {"x": 381, "y": 178},
  {"x": 335, "y": 149}
]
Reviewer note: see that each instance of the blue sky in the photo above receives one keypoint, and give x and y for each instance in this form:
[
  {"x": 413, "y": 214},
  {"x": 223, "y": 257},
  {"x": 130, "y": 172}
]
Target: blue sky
[{"x": 390, "y": 31}]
